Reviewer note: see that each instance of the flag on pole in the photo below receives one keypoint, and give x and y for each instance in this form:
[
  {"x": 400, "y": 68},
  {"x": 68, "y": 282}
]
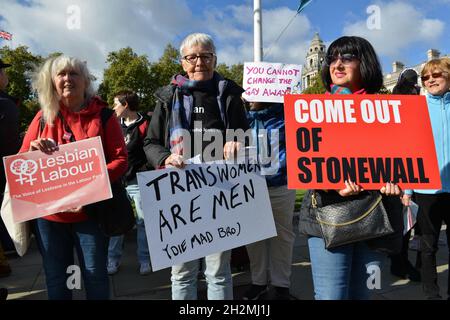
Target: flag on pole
[
  {"x": 5, "y": 35},
  {"x": 303, "y": 4}
]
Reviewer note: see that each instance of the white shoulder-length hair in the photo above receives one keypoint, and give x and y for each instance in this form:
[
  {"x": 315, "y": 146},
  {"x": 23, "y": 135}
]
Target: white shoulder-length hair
[{"x": 45, "y": 87}]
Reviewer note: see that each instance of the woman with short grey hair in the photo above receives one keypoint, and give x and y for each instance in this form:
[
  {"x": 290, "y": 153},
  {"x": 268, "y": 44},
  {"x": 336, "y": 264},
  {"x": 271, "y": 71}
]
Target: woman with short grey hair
[{"x": 200, "y": 99}]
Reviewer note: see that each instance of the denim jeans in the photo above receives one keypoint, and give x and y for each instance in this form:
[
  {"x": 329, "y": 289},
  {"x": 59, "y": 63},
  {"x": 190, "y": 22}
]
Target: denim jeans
[
  {"x": 56, "y": 242},
  {"x": 217, "y": 273},
  {"x": 341, "y": 273},
  {"x": 116, "y": 243}
]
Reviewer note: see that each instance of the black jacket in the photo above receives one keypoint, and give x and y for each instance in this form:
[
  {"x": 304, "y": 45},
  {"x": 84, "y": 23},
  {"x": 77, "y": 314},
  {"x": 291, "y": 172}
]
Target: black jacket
[
  {"x": 9, "y": 132},
  {"x": 135, "y": 146},
  {"x": 156, "y": 143},
  {"x": 390, "y": 244}
]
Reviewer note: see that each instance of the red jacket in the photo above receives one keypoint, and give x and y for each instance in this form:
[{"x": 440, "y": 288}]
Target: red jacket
[{"x": 84, "y": 124}]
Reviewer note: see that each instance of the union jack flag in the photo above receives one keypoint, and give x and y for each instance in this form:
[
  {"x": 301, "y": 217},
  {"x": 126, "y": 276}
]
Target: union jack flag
[{"x": 5, "y": 35}]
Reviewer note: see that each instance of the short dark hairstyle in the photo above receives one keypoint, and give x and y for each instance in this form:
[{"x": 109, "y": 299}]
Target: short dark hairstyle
[
  {"x": 130, "y": 97},
  {"x": 407, "y": 83},
  {"x": 370, "y": 67}
]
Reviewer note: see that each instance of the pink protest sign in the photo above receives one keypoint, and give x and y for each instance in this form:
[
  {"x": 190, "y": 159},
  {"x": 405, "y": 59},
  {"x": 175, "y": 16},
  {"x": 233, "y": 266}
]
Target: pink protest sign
[
  {"x": 269, "y": 82},
  {"x": 41, "y": 184}
]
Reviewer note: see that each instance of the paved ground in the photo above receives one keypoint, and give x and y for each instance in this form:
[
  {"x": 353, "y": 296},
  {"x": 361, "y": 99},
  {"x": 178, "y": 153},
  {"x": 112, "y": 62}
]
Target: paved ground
[{"x": 27, "y": 280}]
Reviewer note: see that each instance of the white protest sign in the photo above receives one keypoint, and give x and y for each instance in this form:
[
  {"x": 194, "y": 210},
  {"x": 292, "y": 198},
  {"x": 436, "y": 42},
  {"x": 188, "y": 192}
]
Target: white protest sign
[
  {"x": 269, "y": 82},
  {"x": 203, "y": 209}
]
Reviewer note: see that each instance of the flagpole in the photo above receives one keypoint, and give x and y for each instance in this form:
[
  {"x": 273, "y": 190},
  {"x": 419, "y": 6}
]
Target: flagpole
[{"x": 257, "y": 31}]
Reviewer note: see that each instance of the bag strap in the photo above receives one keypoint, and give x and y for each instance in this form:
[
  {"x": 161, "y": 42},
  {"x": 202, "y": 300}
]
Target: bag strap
[
  {"x": 314, "y": 199},
  {"x": 105, "y": 114},
  {"x": 66, "y": 126}
]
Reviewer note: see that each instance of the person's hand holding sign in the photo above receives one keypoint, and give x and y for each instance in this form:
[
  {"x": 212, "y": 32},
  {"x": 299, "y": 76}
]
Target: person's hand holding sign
[
  {"x": 174, "y": 160},
  {"x": 350, "y": 189},
  {"x": 230, "y": 149},
  {"x": 45, "y": 145},
  {"x": 74, "y": 210},
  {"x": 391, "y": 189}
]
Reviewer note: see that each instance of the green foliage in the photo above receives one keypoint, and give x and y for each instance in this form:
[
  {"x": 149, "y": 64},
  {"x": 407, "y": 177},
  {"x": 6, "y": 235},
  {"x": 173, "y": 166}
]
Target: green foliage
[
  {"x": 28, "y": 110},
  {"x": 127, "y": 70},
  {"x": 167, "y": 66},
  {"x": 317, "y": 86},
  {"x": 298, "y": 199},
  {"x": 235, "y": 72},
  {"x": 23, "y": 64}
]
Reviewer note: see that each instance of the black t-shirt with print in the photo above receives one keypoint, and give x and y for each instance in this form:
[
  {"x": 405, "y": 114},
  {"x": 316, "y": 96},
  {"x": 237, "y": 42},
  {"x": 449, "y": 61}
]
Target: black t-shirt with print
[{"x": 206, "y": 113}]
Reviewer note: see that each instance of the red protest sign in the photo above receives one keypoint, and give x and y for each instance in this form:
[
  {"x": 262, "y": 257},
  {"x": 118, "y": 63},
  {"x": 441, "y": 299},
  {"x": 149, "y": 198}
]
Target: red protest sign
[
  {"x": 369, "y": 139},
  {"x": 41, "y": 184}
]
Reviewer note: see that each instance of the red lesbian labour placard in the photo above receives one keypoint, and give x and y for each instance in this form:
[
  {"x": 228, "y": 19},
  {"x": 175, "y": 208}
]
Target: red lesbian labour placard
[{"x": 42, "y": 184}]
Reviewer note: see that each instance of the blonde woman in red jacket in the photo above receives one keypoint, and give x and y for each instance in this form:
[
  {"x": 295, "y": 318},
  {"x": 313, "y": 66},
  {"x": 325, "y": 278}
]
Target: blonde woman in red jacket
[{"x": 64, "y": 86}]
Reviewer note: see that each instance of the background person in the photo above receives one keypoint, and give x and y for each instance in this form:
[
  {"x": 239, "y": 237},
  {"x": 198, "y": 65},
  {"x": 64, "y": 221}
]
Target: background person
[
  {"x": 10, "y": 144},
  {"x": 434, "y": 204},
  {"x": 400, "y": 264},
  {"x": 134, "y": 128},
  {"x": 201, "y": 96},
  {"x": 271, "y": 259},
  {"x": 63, "y": 85}
]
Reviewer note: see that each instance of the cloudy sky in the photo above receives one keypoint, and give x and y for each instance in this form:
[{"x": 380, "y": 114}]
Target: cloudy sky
[{"x": 407, "y": 27}]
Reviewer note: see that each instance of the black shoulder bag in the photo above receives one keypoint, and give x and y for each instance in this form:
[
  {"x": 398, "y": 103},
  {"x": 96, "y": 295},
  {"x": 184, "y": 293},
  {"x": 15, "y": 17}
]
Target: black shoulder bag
[{"x": 354, "y": 220}]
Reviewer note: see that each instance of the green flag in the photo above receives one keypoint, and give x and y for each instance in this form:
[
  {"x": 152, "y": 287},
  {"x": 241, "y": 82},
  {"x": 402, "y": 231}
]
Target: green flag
[{"x": 302, "y": 5}]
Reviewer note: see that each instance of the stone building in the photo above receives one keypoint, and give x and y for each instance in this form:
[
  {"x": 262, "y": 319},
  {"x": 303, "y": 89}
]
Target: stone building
[
  {"x": 314, "y": 59},
  {"x": 390, "y": 79}
]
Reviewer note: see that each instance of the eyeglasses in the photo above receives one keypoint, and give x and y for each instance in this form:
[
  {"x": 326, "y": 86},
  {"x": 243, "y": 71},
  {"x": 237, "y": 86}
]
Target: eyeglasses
[
  {"x": 207, "y": 57},
  {"x": 346, "y": 59},
  {"x": 433, "y": 75}
]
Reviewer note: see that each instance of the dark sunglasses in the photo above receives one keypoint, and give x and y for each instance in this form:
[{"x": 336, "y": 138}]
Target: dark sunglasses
[
  {"x": 433, "y": 75},
  {"x": 345, "y": 58}
]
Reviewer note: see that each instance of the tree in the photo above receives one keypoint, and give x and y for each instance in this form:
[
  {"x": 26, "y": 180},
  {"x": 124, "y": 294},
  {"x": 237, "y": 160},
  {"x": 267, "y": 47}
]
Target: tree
[
  {"x": 23, "y": 65},
  {"x": 127, "y": 70},
  {"x": 317, "y": 86},
  {"x": 235, "y": 72},
  {"x": 167, "y": 66}
]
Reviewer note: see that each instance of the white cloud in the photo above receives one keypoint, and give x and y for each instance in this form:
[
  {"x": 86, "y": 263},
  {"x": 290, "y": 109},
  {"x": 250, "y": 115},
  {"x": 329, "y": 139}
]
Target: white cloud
[
  {"x": 402, "y": 25},
  {"x": 147, "y": 26},
  {"x": 235, "y": 30}
]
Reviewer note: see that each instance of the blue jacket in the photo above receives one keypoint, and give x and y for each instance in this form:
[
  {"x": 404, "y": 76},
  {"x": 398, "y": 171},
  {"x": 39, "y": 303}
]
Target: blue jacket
[
  {"x": 270, "y": 119},
  {"x": 439, "y": 110}
]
